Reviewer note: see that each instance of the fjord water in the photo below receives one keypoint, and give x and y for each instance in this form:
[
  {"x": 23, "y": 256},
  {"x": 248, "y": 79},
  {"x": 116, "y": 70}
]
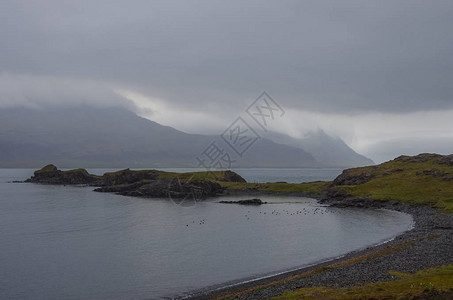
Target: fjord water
[{"x": 66, "y": 242}]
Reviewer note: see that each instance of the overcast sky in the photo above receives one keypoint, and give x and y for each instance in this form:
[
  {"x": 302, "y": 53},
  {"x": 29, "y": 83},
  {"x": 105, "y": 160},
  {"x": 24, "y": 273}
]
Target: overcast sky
[{"x": 378, "y": 74}]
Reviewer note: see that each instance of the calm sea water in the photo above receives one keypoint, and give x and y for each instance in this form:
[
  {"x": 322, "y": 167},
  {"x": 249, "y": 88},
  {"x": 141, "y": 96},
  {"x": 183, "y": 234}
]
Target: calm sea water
[{"x": 72, "y": 243}]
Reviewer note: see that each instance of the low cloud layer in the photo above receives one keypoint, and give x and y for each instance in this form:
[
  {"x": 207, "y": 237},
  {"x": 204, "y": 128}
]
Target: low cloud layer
[
  {"x": 364, "y": 71},
  {"x": 47, "y": 91}
]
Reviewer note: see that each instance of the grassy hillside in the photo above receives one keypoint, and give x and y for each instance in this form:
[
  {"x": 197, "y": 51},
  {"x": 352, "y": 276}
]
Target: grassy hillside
[
  {"x": 425, "y": 283},
  {"x": 421, "y": 179}
]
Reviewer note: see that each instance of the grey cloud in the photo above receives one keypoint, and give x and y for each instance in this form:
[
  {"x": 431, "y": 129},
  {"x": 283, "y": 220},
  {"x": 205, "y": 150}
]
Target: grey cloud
[
  {"x": 390, "y": 148},
  {"x": 48, "y": 91},
  {"x": 347, "y": 56}
]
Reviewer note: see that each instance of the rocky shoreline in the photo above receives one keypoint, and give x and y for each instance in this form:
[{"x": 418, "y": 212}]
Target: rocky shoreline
[{"x": 428, "y": 244}]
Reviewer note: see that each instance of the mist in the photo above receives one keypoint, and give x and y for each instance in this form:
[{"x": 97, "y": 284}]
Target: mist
[{"x": 367, "y": 72}]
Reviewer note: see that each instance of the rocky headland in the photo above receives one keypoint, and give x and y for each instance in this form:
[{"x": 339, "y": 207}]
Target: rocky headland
[{"x": 144, "y": 183}]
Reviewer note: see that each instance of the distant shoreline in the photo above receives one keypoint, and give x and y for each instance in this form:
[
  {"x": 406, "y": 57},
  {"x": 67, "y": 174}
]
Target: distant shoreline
[{"x": 411, "y": 251}]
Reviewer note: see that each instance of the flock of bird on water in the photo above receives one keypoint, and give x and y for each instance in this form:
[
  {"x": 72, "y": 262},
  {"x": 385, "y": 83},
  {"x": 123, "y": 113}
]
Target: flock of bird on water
[{"x": 305, "y": 211}]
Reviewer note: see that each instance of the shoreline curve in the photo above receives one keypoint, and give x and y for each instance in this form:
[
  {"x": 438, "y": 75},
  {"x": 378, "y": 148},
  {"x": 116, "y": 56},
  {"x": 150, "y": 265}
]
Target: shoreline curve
[{"x": 429, "y": 243}]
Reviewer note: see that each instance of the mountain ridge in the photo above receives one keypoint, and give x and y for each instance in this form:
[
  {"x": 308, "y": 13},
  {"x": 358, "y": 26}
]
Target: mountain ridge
[
  {"x": 328, "y": 151},
  {"x": 84, "y": 136}
]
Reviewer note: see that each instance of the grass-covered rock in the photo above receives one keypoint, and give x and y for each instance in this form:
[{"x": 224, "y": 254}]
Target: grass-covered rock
[
  {"x": 51, "y": 175},
  {"x": 142, "y": 183},
  {"x": 422, "y": 179}
]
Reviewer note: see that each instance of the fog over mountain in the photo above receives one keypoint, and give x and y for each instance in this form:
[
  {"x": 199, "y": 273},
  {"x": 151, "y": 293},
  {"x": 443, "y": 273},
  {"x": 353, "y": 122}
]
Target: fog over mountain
[
  {"x": 328, "y": 151},
  {"x": 114, "y": 137},
  {"x": 376, "y": 74}
]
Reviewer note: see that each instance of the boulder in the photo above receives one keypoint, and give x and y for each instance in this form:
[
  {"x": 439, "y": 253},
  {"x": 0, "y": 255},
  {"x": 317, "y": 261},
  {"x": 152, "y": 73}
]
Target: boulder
[{"x": 446, "y": 160}]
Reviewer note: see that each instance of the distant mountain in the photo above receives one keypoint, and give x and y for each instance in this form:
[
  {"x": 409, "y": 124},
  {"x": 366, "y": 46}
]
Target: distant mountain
[
  {"x": 328, "y": 151},
  {"x": 114, "y": 137}
]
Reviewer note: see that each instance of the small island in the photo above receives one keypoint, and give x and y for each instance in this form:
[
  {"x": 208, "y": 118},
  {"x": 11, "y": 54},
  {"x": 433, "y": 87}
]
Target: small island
[
  {"x": 253, "y": 201},
  {"x": 143, "y": 183}
]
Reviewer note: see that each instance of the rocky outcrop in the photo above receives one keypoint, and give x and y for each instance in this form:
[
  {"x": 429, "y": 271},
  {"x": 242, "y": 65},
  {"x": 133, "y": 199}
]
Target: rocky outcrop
[
  {"x": 51, "y": 175},
  {"x": 396, "y": 180},
  {"x": 143, "y": 183},
  {"x": 424, "y": 157},
  {"x": 175, "y": 188},
  {"x": 127, "y": 177},
  {"x": 446, "y": 176},
  {"x": 344, "y": 201},
  {"x": 355, "y": 176},
  {"x": 363, "y": 175},
  {"x": 121, "y": 188},
  {"x": 420, "y": 158},
  {"x": 232, "y": 177},
  {"x": 254, "y": 201},
  {"x": 432, "y": 172},
  {"x": 446, "y": 160}
]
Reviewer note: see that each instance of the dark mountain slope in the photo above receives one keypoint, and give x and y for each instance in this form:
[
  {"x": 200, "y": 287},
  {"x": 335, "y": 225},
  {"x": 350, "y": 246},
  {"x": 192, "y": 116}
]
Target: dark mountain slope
[{"x": 114, "y": 137}]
